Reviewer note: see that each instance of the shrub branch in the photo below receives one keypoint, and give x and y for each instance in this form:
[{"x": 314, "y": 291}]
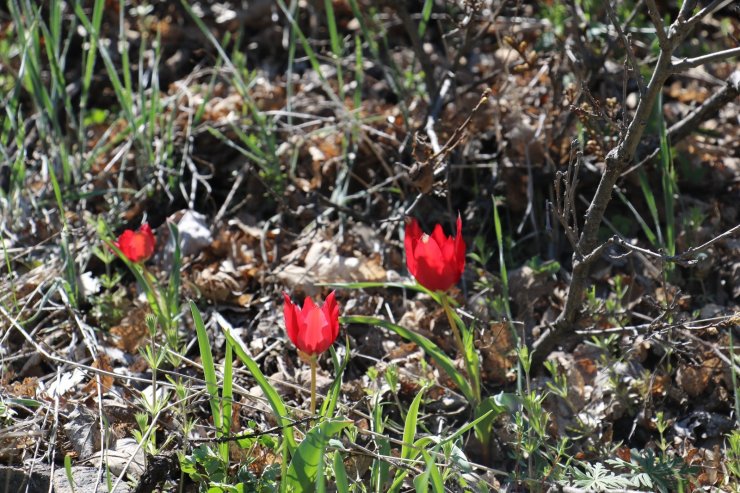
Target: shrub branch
[{"x": 586, "y": 250}]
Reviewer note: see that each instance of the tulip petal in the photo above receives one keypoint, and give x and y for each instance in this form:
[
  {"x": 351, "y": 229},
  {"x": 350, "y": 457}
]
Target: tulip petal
[
  {"x": 292, "y": 325},
  {"x": 312, "y": 329},
  {"x": 436, "y": 261},
  {"x": 331, "y": 313},
  {"x": 411, "y": 238},
  {"x": 312, "y": 336},
  {"x": 460, "y": 247},
  {"x": 430, "y": 265},
  {"x": 137, "y": 246}
]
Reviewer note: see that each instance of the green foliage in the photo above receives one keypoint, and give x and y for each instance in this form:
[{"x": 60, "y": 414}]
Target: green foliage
[
  {"x": 306, "y": 469},
  {"x": 596, "y": 477},
  {"x": 209, "y": 371},
  {"x": 206, "y": 466},
  {"x": 644, "y": 470},
  {"x": 550, "y": 267},
  {"x": 109, "y": 306},
  {"x": 610, "y": 310},
  {"x": 661, "y": 473},
  {"x": 431, "y": 349},
  {"x": 732, "y": 451},
  {"x": 273, "y": 398}
]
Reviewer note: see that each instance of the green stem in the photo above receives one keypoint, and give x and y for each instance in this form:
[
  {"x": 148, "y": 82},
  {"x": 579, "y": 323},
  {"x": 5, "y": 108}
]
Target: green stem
[
  {"x": 162, "y": 315},
  {"x": 313, "y": 383},
  {"x": 453, "y": 324},
  {"x": 474, "y": 381}
]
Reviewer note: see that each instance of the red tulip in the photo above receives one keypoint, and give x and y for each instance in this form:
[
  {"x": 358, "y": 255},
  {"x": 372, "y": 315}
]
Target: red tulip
[
  {"x": 436, "y": 261},
  {"x": 137, "y": 245},
  {"x": 312, "y": 329}
]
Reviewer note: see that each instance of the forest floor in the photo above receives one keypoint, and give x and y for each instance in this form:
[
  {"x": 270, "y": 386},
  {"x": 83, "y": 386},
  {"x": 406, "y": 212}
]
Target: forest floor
[{"x": 283, "y": 147}]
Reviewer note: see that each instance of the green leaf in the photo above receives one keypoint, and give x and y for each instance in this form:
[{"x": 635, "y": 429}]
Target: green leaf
[
  {"x": 376, "y": 284},
  {"x": 426, "y": 13},
  {"x": 173, "y": 289},
  {"x": 430, "y": 474},
  {"x": 276, "y": 403},
  {"x": 409, "y": 428},
  {"x": 307, "y": 462},
  {"x": 380, "y": 468},
  {"x": 340, "y": 473},
  {"x": 330, "y": 403},
  {"x": 209, "y": 370},
  {"x": 597, "y": 477},
  {"x": 428, "y": 346},
  {"x": 228, "y": 399}
]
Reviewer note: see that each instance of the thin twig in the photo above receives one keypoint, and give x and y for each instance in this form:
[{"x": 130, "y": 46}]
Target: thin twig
[
  {"x": 709, "y": 9},
  {"x": 681, "y": 129},
  {"x": 687, "y": 63},
  {"x": 713, "y": 348},
  {"x": 658, "y": 23},
  {"x": 254, "y": 434},
  {"x": 627, "y": 48},
  {"x": 684, "y": 259}
]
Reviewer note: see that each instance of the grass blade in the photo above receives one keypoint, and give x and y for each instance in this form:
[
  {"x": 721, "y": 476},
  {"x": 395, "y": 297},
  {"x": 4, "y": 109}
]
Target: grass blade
[
  {"x": 409, "y": 427},
  {"x": 340, "y": 473},
  {"x": 209, "y": 370},
  {"x": 273, "y": 398},
  {"x": 428, "y": 346}
]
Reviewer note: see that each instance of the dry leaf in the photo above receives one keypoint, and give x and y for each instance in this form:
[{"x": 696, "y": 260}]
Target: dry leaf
[
  {"x": 125, "y": 454},
  {"x": 131, "y": 331},
  {"x": 26, "y": 388},
  {"x": 83, "y": 431},
  {"x": 67, "y": 381},
  {"x": 495, "y": 346},
  {"x": 106, "y": 381},
  {"x": 693, "y": 379}
]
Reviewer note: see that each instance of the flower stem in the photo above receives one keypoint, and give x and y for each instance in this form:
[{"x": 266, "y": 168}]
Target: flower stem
[
  {"x": 313, "y": 383},
  {"x": 151, "y": 287},
  {"x": 453, "y": 325},
  {"x": 472, "y": 372}
]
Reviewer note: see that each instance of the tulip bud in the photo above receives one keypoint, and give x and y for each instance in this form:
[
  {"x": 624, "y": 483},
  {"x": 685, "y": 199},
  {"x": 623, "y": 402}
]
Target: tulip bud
[
  {"x": 312, "y": 329},
  {"x": 436, "y": 261},
  {"x": 137, "y": 246}
]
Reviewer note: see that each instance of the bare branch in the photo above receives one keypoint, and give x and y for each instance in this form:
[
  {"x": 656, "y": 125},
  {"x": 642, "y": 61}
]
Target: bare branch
[
  {"x": 709, "y": 9},
  {"x": 658, "y": 23},
  {"x": 565, "y": 210},
  {"x": 686, "y": 8},
  {"x": 729, "y": 92},
  {"x": 628, "y": 47},
  {"x": 694, "y": 250},
  {"x": 681, "y": 129},
  {"x": 616, "y": 161},
  {"x": 688, "y": 63},
  {"x": 685, "y": 259}
]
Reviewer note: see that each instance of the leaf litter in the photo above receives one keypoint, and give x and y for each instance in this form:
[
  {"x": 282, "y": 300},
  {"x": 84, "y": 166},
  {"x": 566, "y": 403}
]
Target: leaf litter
[{"x": 661, "y": 347}]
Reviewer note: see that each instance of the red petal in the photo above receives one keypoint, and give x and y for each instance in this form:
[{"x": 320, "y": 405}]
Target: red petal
[
  {"x": 291, "y": 318},
  {"x": 137, "y": 246},
  {"x": 331, "y": 312},
  {"x": 412, "y": 235},
  {"x": 312, "y": 329},
  {"x": 460, "y": 248}
]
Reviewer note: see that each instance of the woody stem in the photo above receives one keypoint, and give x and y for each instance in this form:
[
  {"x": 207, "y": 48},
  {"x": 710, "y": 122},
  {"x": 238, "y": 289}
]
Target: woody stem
[{"x": 313, "y": 383}]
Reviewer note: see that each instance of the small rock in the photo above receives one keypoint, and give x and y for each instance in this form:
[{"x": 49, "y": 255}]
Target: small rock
[
  {"x": 194, "y": 233},
  {"x": 85, "y": 479},
  {"x": 37, "y": 482}
]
